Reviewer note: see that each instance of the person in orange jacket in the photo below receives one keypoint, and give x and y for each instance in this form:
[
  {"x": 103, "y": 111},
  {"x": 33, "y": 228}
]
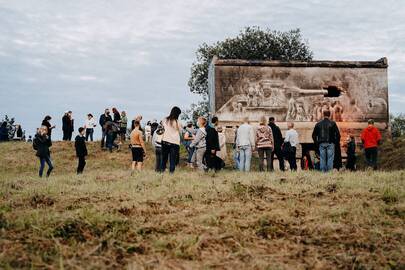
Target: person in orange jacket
[{"x": 371, "y": 138}]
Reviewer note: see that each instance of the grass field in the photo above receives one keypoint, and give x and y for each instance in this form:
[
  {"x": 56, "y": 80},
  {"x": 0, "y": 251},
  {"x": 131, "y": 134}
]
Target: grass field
[{"x": 189, "y": 220}]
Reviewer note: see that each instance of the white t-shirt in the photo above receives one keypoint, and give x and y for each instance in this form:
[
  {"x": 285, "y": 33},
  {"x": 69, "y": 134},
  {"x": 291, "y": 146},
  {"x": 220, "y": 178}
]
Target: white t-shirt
[
  {"x": 172, "y": 132},
  {"x": 90, "y": 123},
  {"x": 292, "y": 136}
]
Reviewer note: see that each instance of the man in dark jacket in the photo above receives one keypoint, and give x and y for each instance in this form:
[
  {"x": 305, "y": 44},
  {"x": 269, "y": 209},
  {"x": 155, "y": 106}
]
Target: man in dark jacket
[
  {"x": 81, "y": 150},
  {"x": 278, "y": 141},
  {"x": 4, "y": 132},
  {"x": 326, "y": 135},
  {"x": 104, "y": 118},
  {"x": 212, "y": 146},
  {"x": 67, "y": 126},
  {"x": 41, "y": 144}
]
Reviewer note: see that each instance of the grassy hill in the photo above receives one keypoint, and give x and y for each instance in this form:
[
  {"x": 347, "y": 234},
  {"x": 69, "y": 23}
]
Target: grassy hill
[{"x": 189, "y": 220}]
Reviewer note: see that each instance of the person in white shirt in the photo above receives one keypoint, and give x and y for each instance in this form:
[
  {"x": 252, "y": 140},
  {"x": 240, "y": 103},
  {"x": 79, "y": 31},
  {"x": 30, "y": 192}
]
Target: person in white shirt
[
  {"x": 171, "y": 139},
  {"x": 89, "y": 125},
  {"x": 290, "y": 146},
  {"x": 148, "y": 132},
  {"x": 222, "y": 154},
  {"x": 245, "y": 142}
]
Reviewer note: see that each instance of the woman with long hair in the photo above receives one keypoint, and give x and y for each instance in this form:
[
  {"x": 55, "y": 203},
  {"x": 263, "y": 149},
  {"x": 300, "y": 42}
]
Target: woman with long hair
[{"x": 171, "y": 139}]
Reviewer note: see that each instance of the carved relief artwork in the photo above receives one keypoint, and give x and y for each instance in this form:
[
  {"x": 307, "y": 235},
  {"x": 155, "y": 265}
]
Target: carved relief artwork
[{"x": 299, "y": 91}]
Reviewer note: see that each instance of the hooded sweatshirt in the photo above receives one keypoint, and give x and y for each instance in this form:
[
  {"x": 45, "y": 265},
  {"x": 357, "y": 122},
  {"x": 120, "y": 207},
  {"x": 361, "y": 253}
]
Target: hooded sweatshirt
[{"x": 370, "y": 137}]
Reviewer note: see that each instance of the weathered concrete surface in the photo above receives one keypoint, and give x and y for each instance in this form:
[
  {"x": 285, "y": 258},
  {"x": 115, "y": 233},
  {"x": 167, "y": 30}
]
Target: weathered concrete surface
[{"x": 353, "y": 91}]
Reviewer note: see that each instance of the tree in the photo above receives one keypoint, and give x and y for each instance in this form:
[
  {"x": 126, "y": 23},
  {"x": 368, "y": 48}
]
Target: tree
[
  {"x": 397, "y": 125},
  {"x": 10, "y": 127},
  {"x": 252, "y": 43}
]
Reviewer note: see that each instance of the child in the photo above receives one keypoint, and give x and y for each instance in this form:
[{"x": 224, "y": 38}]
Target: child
[
  {"x": 351, "y": 153},
  {"x": 199, "y": 142},
  {"x": 81, "y": 149},
  {"x": 137, "y": 147}
]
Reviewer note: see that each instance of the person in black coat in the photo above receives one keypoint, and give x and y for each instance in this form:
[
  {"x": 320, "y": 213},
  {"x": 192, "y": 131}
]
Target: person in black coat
[
  {"x": 212, "y": 146},
  {"x": 4, "y": 132},
  {"x": 41, "y": 144},
  {"x": 81, "y": 150},
  {"x": 67, "y": 126},
  {"x": 278, "y": 142},
  {"x": 104, "y": 118},
  {"x": 351, "y": 153},
  {"x": 46, "y": 122}
]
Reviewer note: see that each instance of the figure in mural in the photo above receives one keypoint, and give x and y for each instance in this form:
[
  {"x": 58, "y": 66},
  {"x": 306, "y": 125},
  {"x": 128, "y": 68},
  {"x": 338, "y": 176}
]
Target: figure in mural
[{"x": 337, "y": 111}]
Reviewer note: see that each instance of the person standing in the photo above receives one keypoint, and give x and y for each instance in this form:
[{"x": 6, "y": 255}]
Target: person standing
[
  {"x": 137, "y": 147},
  {"x": 66, "y": 126},
  {"x": 325, "y": 135},
  {"x": 264, "y": 144},
  {"x": 188, "y": 137},
  {"x": 154, "y": 126},
  {"x": 71, "y": 126},
  {"x": 277, "y": 141},
  {"x": 199, "y": 143},
  {"x": 157, "y": 144},
  {"x": 41, "y": 144},
  {"x": 245, "y": 143},
  {"x": 290, "y": 146},
  {"x": 89, "y": 125},
  {"x": 171, "y": 139},
  {"x": 148, "y": 132},
  {"x": 351, "y": 153},
  {"x": 221, "y": 154},
  {"x": 104, "y": 118},
  {"x": 124, "y": 125},
  {"x": 81, "y": 149},
  {"x": 212, "y": 145},
  {"x": 371, "y": 138},
  {"x": 46, "y": 122}
]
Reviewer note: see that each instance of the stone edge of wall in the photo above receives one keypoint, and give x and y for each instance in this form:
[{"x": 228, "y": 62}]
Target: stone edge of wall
[{"x": 381, "y": 63}]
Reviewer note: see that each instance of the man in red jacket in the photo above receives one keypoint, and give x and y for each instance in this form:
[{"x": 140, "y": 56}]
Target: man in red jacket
[{"x": 371, "y": 138}]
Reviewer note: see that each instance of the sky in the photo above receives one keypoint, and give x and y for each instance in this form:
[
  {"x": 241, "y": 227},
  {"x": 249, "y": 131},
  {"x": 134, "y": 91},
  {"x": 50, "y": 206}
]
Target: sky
[{"x": 87, "y": 55}]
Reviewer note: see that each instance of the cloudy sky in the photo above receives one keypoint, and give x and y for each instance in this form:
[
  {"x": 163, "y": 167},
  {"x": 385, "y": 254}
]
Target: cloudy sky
[{"x": 90, "y": 54}]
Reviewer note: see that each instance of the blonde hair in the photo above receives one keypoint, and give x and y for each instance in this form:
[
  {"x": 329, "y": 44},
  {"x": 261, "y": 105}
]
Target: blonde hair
[{"x": 263, "y": 121}]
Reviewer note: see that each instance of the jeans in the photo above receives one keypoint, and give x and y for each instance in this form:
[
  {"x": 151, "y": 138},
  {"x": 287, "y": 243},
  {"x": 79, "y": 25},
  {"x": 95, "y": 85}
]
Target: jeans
[
  {"x": 262, "y": 152},
  {"x": 245, "y": 157},
  {"x": 371, "y": 157},
  {"x": 277, "y": 151},
  {"x": 110, "y": 141},
  {"x": 190, "y": 152},
  {"x": 80, "y": 166},
  {"x": 158, "y": 162},
  {"x": 327, "y": 155},
  {"x": 42, "y": 161},
  {"x": 89, "y": 133},
  {"x": 103, "y": 137},
  {"x": 170, "y": 152}
]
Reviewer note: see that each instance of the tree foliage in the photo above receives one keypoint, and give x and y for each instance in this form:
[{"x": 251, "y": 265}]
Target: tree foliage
[
  {"x": 397, "y": 125},
  {"x": 252, "y": 43}
]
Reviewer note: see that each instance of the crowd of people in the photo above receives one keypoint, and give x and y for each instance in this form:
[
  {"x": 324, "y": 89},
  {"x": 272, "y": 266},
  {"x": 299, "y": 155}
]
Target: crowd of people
[{"x": 206, "y": 143}]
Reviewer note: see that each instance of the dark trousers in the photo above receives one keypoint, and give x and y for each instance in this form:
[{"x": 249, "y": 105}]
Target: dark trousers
[
  {"x": 291, "y": 157},
  {"x": 42, "y": 161},
  {"x": 65, "y": 135},
  {"x": 82, "y": 163},
  {"x": 158, "y": 162},
  {"x": 103, "y": 137},
  {"x": 89, "y": 134},
  {"x": 277, "y": 151},
  {"x": 170, "y": 152},
  {"x": 351, "y": 162},
  {"x": 371, "y": 157},
  {"x": 212, "y": 161},
  {"x": 265, "y": 151}
]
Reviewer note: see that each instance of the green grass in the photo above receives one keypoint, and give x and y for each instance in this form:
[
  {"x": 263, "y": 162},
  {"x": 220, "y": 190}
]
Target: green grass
[{"x": 190, "y": 220}]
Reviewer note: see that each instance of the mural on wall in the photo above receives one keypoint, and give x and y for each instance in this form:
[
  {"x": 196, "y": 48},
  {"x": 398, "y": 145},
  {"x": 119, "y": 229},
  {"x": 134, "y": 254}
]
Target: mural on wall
[{"x": 300, "y": 93}]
